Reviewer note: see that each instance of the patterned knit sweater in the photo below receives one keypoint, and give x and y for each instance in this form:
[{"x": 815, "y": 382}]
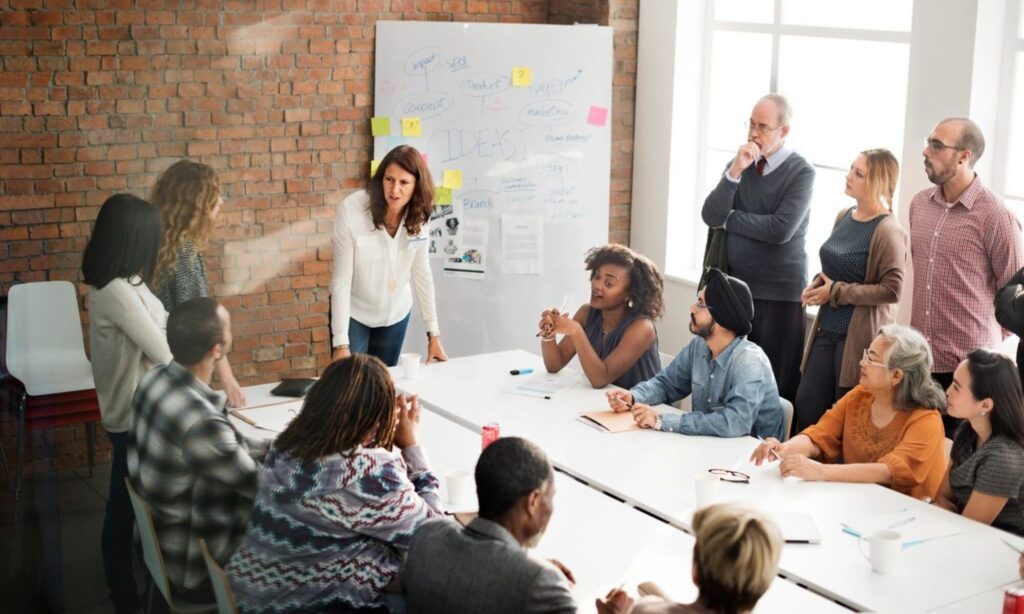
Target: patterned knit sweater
[{"x": 329, "y": 536}]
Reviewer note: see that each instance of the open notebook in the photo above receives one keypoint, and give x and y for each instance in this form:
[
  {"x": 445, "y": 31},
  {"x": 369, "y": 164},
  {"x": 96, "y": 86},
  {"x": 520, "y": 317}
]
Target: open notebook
[{"x": 609, "y": 421}]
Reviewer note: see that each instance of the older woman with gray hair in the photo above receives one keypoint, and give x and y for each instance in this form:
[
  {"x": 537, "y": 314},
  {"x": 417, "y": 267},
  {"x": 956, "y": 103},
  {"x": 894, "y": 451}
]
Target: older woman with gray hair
[{"x": 887, "y": 430}]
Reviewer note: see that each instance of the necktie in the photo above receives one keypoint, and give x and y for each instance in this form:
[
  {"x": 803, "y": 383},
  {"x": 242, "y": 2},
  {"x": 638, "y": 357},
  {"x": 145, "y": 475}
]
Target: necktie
[{"x": 760, "y": 165}]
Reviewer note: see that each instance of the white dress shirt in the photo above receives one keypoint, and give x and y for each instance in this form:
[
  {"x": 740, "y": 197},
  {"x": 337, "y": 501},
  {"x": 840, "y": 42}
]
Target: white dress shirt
[{"x": 372, "y": 271}]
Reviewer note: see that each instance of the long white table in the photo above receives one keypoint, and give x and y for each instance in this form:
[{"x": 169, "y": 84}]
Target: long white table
[
  {"x": 604, "y": 542},
  {"x": 654, "y": 472}
]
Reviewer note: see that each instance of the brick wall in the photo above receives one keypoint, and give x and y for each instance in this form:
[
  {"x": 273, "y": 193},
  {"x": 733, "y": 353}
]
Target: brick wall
[{"x": 100, "y": 96}]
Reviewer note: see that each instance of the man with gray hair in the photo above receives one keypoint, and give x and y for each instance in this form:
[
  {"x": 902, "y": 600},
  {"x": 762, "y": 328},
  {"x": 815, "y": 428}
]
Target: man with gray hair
[
  {"x": 965, "y": 246},
  {"x": 763, "y": 203}
]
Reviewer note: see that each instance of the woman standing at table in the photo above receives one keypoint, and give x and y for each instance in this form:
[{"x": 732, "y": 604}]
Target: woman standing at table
[
  {"x": 127, "y": 336},
  {"x": 985, "y": 481},
  {"x": 887, "y": 430},
  {"x": 336, "y": 507},
  {"x": 188, "y": 197},
  {"x": 863, "y": 264},
  {"x": 614, "y": 333},
  {"x": 380, "y": 247}
]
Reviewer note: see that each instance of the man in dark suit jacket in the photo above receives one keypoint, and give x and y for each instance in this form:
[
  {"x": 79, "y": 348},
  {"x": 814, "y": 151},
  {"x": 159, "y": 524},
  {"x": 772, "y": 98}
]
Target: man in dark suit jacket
[{"x": 484, "y": 566}]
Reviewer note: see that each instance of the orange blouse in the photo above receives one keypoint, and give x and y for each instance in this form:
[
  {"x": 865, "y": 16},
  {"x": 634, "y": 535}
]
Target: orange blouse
[{"x": 911, "y": 445}]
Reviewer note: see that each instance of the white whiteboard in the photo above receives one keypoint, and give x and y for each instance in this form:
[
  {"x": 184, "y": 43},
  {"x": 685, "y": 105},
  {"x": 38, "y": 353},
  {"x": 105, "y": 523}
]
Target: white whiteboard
[{"x": 536, "y": 150}]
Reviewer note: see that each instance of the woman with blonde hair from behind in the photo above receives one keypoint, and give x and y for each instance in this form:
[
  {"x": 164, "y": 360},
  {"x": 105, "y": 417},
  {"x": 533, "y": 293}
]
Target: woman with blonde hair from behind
[
  {"x": 735, "y": 560},
  {"x": 189, "y": 199}
]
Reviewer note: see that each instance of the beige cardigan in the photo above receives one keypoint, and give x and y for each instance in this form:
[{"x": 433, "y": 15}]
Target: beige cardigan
[{"x": 876, "y": 299}]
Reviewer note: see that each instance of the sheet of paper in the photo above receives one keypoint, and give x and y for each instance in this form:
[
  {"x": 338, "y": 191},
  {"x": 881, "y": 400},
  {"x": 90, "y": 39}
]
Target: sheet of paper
[
  {"x": 466, "y": 253},
  {"x": 539, "y": 384},
  {"x": 274, "y": 418},
  {"x": 380, "y": 126},
  {"x": 522, "y": 244}
]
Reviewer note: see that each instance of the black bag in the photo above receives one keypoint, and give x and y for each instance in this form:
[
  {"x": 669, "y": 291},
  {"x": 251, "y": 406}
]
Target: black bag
[{"x": 715, "y": 254}]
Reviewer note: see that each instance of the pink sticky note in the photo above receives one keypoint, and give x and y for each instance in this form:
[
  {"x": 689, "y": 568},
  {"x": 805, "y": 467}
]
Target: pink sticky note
[
  {"x": 598, "y": 116},
  {"x": 426, "y": 158}
]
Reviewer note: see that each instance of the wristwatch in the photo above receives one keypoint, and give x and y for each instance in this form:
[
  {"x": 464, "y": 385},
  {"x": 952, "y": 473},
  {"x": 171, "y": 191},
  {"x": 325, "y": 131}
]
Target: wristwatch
[{"x": 657, "y": 423}]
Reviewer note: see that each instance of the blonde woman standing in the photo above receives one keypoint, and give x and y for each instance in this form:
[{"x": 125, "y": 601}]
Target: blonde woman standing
[
  {"x": 189, "y": 199},
  {"x": 863, "y": 265}
]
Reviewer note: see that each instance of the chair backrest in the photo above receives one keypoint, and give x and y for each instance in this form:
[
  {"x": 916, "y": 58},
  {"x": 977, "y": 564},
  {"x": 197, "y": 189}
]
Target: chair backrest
[
  {"x": 151, "y": 554},
  {"x": 221, "y": 586},
  {"x": 787, "y": 417},
  {"x": 947, "y": 445},
  {"x": 45, "y": 348}
]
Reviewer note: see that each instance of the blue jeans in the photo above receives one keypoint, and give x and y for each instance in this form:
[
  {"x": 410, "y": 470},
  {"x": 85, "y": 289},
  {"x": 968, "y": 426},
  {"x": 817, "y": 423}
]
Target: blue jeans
[
  {"x": 384, "y": 342},
  {"x": 116, "y": 539}
]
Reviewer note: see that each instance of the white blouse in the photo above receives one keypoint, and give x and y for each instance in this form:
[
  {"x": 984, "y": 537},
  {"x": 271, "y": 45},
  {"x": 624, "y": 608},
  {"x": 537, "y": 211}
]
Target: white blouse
[{"x": 372, "y": 271}]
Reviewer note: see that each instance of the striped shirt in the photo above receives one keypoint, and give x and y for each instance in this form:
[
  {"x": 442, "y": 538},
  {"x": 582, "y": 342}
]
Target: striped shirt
[{"x": 963, "y": 252}]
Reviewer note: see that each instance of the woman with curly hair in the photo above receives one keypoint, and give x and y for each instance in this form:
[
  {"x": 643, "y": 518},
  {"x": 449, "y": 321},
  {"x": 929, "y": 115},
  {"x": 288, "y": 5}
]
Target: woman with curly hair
[
  {"x": 188, "y": 197},
  {"x": 380, "y": 250},
  {"x": 614, "y": 333}
]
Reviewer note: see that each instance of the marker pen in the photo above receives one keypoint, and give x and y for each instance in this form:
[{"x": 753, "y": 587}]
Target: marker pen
[{"x": 520, "y": 371}]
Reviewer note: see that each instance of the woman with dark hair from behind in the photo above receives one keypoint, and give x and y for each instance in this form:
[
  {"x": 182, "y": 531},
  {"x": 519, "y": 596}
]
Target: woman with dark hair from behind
[
  {"x": 985, "y": 481},
  {"x": 189, "y": 199},
  {"x": 127, "y": 336},
  {"x": 336, "y": 507},
  {"x": 613, "y": 334},
  {"x": 380, "y": 249}
]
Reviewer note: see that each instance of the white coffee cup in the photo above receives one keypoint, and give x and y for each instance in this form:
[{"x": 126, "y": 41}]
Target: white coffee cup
[
  {"x": 885, "y": 550},
  {"x": 706, "y": 489},
  {"x": 410, "y": 364},
  {"x": 460, "y": 487}
]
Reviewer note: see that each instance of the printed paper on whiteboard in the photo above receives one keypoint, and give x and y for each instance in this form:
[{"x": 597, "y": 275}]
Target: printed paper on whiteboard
[
  {"x": 522, "y": 244},
  {"x": 465, "y": 253}
]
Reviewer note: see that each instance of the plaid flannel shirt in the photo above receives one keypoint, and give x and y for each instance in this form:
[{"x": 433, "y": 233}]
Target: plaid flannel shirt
[{"x": 192, "y": 466}]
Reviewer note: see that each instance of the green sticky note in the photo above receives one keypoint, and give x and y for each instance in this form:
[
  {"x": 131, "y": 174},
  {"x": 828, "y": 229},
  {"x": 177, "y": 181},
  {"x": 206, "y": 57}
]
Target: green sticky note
[
  {"x": 442, "y": 196},
  {"x": 380, "y": 126},
  {"x": 373, "y": 167}
]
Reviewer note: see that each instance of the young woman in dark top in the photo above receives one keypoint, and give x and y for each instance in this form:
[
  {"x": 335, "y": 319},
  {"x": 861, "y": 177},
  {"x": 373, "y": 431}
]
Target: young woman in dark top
[
  {"x": 985, "y": 480},
  {"x": 614, "y": 333},
  {"x": 188, "y": 197}
]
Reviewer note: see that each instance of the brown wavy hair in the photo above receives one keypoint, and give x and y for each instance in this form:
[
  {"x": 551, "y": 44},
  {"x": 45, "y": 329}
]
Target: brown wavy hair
[
  {"x": 417, "y": 212},
  {"x": 645, "y": 282},
  {"x": 185, "y": 194},
  {"x": 883, "y": 173},
  {"x": 353, "y": 403}
]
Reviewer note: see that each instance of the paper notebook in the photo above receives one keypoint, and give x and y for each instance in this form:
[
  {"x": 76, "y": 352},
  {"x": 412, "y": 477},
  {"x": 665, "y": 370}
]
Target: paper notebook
[
  {"x": 797, "y": 528},
  {"x": 541, "y": 385},
  {"x": 609, "y": 421}
]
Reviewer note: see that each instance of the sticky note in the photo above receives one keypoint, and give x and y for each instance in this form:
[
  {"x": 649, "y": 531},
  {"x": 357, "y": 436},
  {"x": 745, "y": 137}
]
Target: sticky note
[
  {"x": 380, "y": 126},
  {"x": 452, "y": 179},
  {"x": 373, "y": 167},
  {"x": 522, "y": 76},
  {"x": 598, "y": 116},
  {"x": 426, "y": 158},
  {"x": 411, "y": 126},
  {"x": 442, "y": 196}
]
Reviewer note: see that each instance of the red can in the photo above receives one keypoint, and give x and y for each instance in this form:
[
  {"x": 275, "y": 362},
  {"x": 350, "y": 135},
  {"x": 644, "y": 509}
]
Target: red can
[
  {"x": 1013, "y": 600},
  {"x": 489, "y": 434}
]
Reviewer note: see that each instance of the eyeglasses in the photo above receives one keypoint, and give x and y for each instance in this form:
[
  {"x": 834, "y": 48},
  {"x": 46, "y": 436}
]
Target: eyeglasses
[
  {"x": 702, "y": 305},
  {"x": 728, "y": 475},
  {"x": 866, "y": 361},
  {"x": 935, "y": 146},
  {"x": 759, "y": 128}
]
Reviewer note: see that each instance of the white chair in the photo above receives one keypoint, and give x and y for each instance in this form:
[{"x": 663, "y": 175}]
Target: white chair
[
  {"x": 154, "y": 558},
  {"x": 787, "y": 417},
  {"x": 221, "y": 586},
  {"x": 47, "y": 369},
  {"x": 683, "y": 404}
]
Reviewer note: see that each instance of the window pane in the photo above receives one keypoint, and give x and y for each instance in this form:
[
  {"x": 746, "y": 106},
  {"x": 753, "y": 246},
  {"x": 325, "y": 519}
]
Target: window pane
[
  {"x": 740, "y": 74},
  {"x": 758, "y": 11},
  {"x": 827, "y": 201},
  {"x": 1020, "y": 28},
  {"x": 847, "y": 96},
  {"x": 891, "y": 15},
  {"x": 1014, "y": 156}
]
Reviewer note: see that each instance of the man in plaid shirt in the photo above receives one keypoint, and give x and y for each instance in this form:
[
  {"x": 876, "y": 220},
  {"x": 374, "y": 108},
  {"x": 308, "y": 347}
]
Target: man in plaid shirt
[
  {"x": 965, "y": 246},
  {"x": 184, "y": 456}
]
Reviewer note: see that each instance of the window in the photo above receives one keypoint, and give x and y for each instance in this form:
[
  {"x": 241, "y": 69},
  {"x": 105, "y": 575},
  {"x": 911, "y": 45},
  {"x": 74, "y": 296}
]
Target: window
[
  {"x": 843, "y": 66},
  {"x": 1009, "y": 159}
]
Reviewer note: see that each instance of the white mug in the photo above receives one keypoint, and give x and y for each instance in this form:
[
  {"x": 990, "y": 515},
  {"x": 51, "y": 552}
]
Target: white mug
[
  {"x": 460, "y": 487},
  {"x": 885, "y": 550},
  {"x": 706, "y": 486},
  {"x": 410, "y": 364}
]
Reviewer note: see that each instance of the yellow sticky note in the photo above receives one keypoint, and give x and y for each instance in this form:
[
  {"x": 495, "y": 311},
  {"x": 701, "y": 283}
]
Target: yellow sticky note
[
  {"x": 380, "y": 126},
  {"x": 522, "y": 76},
  {"x": 452, "y": 179},
  {"x": 411, "y": 126},
  {"x": 443, "y": 196},
  {"x": 373, "y": 167}
]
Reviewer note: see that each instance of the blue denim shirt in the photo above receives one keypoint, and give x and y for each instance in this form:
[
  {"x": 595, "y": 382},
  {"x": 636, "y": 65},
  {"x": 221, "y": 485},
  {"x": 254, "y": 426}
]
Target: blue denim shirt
[{"x": 733, "y": 395}]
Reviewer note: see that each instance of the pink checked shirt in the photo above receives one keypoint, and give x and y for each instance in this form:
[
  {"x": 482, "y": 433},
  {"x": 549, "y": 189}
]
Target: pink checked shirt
[{"x": 963, "y": 253}]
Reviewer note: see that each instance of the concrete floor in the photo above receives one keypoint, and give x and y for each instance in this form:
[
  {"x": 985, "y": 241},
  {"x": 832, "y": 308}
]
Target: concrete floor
[{"x": 51, "y": 552}]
